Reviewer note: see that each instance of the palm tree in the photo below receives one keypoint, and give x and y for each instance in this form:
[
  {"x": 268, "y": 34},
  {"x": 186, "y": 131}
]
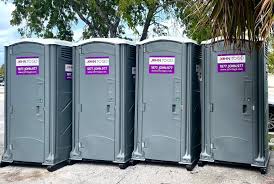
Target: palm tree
[{"x": 238, "y": 19}]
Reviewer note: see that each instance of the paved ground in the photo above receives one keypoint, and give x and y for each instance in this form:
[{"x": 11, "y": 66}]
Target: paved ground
[{"x": 139, "y": 174}]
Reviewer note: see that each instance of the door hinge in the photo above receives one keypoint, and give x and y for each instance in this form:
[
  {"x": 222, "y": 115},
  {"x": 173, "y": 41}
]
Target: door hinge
[
  {"x": 211, "y": 107},
  {"x": 11, "y": 147},
  {"x": 80, "y": 50},
  {"x": 212, "y": 146},
  {"x": 143, "y": 107},
  {"x": 11, "y": 109},
  {"x": 143, "y": 145},
  {"x": 81, "y": 107},
  {"x": 81, "y": 145}
]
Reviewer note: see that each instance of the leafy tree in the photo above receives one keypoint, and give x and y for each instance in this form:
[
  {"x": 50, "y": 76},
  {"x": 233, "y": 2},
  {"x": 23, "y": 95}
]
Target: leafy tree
[
  {"x": 54, "y": 18},
  {"x": 107, "y": 18},
  {"x": 145, "y": 13},
  {"x": 2, "y": 70},
  {"x": 271, "y": 62},
  {"x": 190, "y": 15},
  {"x": 271, "y": 54}
]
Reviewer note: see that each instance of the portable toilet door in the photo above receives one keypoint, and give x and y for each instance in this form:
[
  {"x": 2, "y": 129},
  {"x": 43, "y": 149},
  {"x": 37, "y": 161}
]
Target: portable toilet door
[
  {"x": 104, "y": 100},
  {"x": 235, "y": 108},
  {"x": 167, "y": 119},
  {"x": 38, "y": 102}
]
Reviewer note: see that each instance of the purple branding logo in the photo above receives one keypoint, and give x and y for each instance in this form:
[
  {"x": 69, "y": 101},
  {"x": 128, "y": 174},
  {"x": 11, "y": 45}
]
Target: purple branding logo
[
  {"x": 68, "y": 71},
  {"x": 27, "y": 65},
  {"x": 162, "y": 65},
  {"x": 231, "y": 63},
  {"x": 97, "y": 65}
]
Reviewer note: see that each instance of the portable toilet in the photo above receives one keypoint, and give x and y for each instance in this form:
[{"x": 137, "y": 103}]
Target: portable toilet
[
  {"x": 38, "y": 107},
  {"x": 234, "y": 105},
  {"x": 167, "y": 119},
  {"x": 103, "y": 98}
]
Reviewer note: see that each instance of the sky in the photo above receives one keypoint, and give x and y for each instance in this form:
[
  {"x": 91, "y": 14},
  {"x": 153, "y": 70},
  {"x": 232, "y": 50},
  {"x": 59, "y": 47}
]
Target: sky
[{"x": 9, "y": 33}]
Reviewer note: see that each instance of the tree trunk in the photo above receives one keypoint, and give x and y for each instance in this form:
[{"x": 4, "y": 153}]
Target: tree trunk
[
  {"x": 147, "y": 23},
  {"x": 113, "y": 28},
  {"x": 84, "y": 19}
]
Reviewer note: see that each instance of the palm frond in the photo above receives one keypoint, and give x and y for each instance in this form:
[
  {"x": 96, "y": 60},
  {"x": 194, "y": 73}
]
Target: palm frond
[
  {"x": 264, "y": 18},
  {"x": 236, "y": 20}
]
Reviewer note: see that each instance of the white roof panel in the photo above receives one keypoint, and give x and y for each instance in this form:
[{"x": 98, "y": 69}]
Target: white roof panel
[
  {"x": 210, "y": 41},
  {"x": 167, "y": 38},
  {"x": 220, "y": 38},
  {"x": 116, "y": 41},
  {"x": 42, "y": 41}
]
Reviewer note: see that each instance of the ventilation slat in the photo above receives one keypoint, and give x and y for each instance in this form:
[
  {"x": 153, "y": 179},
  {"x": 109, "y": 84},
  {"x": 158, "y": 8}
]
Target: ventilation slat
[
  {"x": 66, "y": 53},
  {"x": 132, "y": 52}
]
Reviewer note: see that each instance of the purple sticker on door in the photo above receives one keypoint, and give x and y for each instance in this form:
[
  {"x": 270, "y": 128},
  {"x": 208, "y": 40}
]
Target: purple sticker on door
[
  {"x": 68, "y": 72},
  {"x": 161, "y": 64},
  {"x": 97, "y": 65},
  {"x": 27, "y": 65},
  {"x": 231, "y": 63}
]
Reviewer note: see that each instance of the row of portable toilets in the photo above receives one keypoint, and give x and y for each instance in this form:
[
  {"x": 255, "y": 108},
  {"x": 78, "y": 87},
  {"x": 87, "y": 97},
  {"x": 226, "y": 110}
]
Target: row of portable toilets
[{"x": 163, "y": 99}]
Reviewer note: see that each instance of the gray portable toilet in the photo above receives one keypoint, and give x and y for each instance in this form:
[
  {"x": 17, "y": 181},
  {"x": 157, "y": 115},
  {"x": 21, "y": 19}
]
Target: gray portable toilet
[
  {"x": 167, "y": 119},
  {"x": 234, "y": 106},
  {"x": 38, "y": 106},
  {"x": 103, "y": 98}
]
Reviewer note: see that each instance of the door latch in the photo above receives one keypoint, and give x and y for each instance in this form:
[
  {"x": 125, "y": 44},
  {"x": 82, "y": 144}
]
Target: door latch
[
  {"x": 108, "y": 108},
  {"x": 11, "y": 109},
  {"x": 37, "y": 109},
  {"x": 244, "y": 109},
  {"x": 173, "y": 108}
]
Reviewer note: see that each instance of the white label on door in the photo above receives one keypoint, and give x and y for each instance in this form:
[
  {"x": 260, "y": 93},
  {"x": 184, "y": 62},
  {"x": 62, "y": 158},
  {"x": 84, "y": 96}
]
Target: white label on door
[
  {"x": 97, "y": 65},
  {"x": 231, "y": 58},
  {"x": 161, "y": 64},
  {"x": 27, "y": 65},
  {"x": 133, "y": 70},
  {"x": 27, "y": 61},
  {"x": 68, "y": 68},
  {"x": 231, "y": 63}
]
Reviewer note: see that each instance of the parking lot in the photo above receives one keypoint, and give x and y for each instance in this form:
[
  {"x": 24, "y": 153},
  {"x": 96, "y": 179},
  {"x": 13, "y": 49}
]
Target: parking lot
[{"x": 139, "y": 174}]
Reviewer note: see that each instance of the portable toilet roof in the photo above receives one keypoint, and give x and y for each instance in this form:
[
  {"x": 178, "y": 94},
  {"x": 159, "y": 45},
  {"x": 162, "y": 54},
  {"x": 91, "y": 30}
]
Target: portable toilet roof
[
  {"x": 167, "y": 38},
  {"x": 42, "y": 41},
  {"x": 116, "y": 41}
]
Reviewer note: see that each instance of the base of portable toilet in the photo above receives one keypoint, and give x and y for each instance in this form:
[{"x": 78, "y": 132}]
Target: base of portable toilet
[
  {"x": 262, "y": 168},
  {"x": 234, "y": 128},
  {"x": 103, "y": 98},
  {"x": 50, "y": 168},
  {"x": 38, "y": 113},
  {"x": 167, "y": 116}
]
